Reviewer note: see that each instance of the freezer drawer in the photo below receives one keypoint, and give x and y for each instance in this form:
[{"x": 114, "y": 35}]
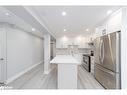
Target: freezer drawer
[{"x": 107, "y": 78}]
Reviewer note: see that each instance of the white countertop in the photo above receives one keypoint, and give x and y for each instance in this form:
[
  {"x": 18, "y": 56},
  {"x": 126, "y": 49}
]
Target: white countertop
[{"x": 65, "y": 59}]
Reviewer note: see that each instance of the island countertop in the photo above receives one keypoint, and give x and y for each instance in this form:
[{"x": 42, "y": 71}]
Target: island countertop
[{"x": 65, "y": 59}]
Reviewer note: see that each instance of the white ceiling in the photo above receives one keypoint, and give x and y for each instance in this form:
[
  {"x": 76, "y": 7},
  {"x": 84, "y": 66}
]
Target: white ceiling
[
  {"x": 49, "y": 19},
  {"x": 15, "y": 20},
  {"x": 77, "y": 20}
]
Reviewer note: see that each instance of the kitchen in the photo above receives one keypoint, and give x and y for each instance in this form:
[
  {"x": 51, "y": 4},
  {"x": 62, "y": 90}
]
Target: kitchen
[{"x": 60, "y": 47}]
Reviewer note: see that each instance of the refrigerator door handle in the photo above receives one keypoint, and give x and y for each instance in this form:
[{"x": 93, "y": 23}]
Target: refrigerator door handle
[
  {"x": 100, "y": 49},
  {"x": 103, "y": 52},
  {"x": 101, "y": 56}
]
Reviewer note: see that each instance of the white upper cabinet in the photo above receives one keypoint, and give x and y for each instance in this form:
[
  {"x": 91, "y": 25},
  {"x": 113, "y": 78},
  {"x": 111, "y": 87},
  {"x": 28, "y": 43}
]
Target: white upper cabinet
[
  {"x": 101, "y": 30},
  {"x": 112, "y": 24},
  {"x": 63, "y": 42}
]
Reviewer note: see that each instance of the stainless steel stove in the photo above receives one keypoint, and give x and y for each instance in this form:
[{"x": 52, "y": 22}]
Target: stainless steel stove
[{"x": 87, "y": 62}]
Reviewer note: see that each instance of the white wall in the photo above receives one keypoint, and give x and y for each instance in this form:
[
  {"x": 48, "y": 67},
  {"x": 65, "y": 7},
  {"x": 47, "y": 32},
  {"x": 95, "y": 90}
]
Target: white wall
[
  {"x": 124, "y": 49},
  {"x": 46, "y": 53},
  {"x": 2, "y": 55},
  {"x": 23, "y": 50}
]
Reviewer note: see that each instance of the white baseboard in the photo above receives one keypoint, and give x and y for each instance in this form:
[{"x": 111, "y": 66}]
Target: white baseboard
[
  {"x": 46, "y": 72},
  {"x": 22, "y": 72}
]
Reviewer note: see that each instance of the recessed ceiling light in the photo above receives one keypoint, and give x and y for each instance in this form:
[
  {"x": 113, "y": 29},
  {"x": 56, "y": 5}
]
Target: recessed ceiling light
[
  {"x": 33, "y": 29},
  {"x": 64, "y": 30},
  {"x": 87, "y": 29},
  {"x": 65, "y": 38},
  {"x": 109, "y": 12},
  {"x": 64, "y": 13},
  {"x": 7, "y": 14}
]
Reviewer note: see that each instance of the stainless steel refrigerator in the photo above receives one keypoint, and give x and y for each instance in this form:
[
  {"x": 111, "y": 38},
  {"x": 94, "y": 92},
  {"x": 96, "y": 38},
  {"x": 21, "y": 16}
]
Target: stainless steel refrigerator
[{"x": 107, "y": 60}]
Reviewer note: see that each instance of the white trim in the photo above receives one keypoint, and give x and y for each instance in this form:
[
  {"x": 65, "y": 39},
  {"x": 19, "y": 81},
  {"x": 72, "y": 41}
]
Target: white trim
[
  {"x": 124, "y": 49},
  {"x": 22, "y": 72},
  {"x": 47, "y": 72}
]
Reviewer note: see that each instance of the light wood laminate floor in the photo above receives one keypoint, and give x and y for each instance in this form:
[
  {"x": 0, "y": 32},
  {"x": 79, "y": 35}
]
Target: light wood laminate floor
[{"x": 35, "y": 79}]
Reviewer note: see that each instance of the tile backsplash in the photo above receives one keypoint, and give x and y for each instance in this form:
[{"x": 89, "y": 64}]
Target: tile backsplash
[{"x": 64, "y": 51}]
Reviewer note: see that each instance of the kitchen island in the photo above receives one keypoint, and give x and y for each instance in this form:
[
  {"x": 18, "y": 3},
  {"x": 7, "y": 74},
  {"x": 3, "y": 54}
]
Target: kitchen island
[{"x": 67, "y": 71}]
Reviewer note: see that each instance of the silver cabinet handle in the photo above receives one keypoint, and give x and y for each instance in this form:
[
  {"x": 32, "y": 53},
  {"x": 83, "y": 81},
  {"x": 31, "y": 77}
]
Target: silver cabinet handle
[{"x": 1, "y": 58}]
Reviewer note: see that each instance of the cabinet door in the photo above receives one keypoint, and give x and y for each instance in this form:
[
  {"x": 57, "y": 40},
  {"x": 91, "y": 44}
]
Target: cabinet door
[
  {"x": 86, "y": 41},
  {"x": 101, "y": 30},
  {"x": 77, "y": 41},
  {"x": 61, "y": 44},
  {"x": 65, "y": 44},
  {"x": 58, "y": 43},
  {"x": 114, "y": 23}
]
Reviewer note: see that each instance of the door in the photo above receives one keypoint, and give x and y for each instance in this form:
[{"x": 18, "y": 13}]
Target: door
[
  {"x": 108, "y": 51},
  {"x": 2, "y": 56}
]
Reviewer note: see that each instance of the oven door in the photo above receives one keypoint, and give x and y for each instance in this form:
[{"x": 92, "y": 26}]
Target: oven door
[{"x": 86, "y": 63}]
